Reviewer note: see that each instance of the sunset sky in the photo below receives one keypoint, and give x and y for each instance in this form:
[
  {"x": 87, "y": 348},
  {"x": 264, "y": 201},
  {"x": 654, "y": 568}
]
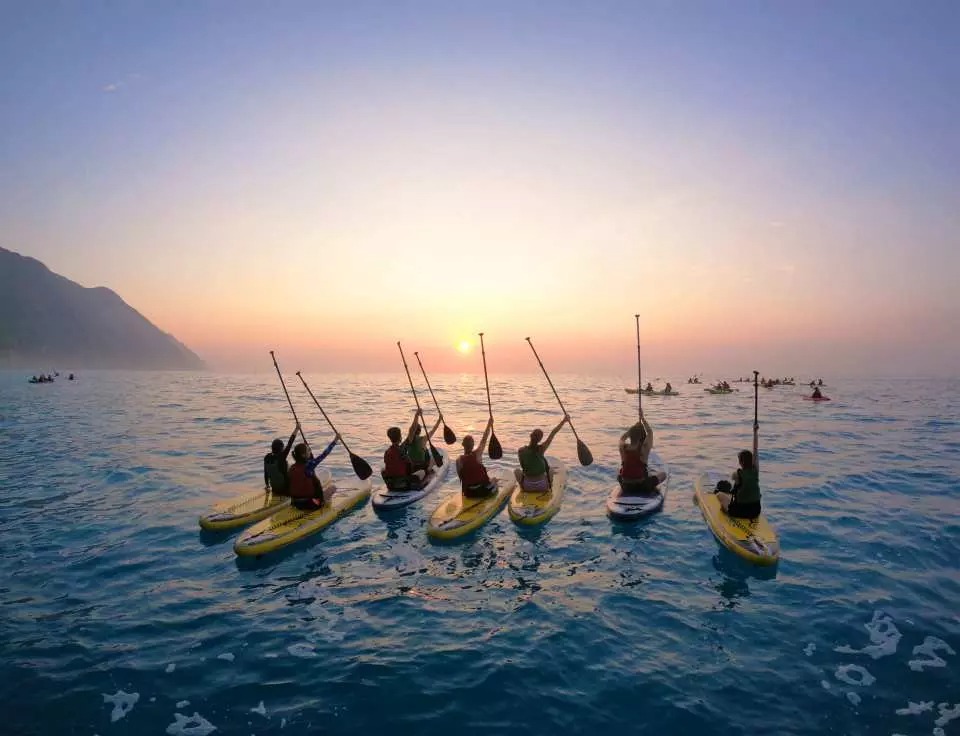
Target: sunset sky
[{"x": 769, "y": 184}]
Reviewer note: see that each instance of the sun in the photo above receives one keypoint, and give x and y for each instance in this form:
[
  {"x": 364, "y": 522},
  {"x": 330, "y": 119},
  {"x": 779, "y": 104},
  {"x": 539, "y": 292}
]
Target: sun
[{"x": 464, "y": 346}]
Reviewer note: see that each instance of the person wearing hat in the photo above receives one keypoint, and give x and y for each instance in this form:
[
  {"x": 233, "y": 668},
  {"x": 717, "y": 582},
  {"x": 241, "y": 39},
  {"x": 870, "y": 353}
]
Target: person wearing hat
[{"x": 534, "y": 471}]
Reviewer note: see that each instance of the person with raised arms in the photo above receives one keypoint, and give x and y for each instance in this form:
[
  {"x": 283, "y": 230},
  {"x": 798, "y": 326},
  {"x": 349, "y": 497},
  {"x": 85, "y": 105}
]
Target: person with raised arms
[
  {"x": 635, "y": 445},
  {"x": 275, "y": 471},
  {"x": 474, "y": 481},
  {"x": 398, "y": 471},
  {"x": 534, "y": 471},
  {"x": 417, "y": 453},
  {"x": 306, "y": 491}
]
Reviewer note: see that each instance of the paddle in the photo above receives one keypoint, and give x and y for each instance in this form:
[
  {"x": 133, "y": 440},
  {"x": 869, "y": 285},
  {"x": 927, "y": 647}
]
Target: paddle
[
  {"x": 639, "y": 379},
  {"x": 437, "y": 457},
  {"x": 286, "y": 393},
  {"x": 360, "y": 466},
  {"x": 756, "y": 424},
  {"x": 583, "y": 452},
  {"x": 448, "y": 436},
  {"x": 495, "y": 451}
]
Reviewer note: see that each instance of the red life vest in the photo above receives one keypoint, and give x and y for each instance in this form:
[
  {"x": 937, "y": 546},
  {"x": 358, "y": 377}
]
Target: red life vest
[
  {"x": 301, "y": 484},
  {"x": 395, "y": 465},
  {"x": 471, "y": 471},
  {"x": 633, "y": 467}
]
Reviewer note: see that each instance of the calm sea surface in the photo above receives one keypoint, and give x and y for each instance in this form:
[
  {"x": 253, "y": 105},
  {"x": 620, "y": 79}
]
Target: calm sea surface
[{"x": 110, "y": 597}]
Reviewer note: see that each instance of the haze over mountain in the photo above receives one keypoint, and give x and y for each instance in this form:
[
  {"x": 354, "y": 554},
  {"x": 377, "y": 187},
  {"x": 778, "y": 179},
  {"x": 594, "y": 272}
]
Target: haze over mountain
[{"x": 48, "y": 321}]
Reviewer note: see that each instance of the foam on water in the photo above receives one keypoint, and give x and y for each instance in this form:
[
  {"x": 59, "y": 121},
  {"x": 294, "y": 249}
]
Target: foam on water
[
  {"x": 122, "y": 704},
  {"x": 195, "y": 725}
]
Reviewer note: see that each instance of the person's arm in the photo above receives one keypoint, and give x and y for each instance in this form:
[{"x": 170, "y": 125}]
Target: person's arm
[
  {"x": 313, "y": 462},
  {"x": 293, "y": 436},
  {"x": 486, "y": 436},
  {"x": 553, "y": 433},
  {"x": 648, "y": 442},
  {"x": 413, "y": 425},
  {"x": 434, "y": 429}
]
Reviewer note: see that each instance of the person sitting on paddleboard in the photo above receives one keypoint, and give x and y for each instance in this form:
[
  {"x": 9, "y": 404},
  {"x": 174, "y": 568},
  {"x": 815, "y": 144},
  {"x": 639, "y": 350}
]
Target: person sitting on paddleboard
[
  {"x": 534, "y": 471},
  {"x": 649, "y": 386},
  {"x": 816, "y": 393},
  {"x": 743, "y": 500},
  {"x": 275, "y": 464},
  {"x": 417, "y": 453},
  {"x": 635, "y": 445},
  {"x": 474, "y": 481},
  {"x": 398, "y": 472},
  {"x": 306, "y": 491}
]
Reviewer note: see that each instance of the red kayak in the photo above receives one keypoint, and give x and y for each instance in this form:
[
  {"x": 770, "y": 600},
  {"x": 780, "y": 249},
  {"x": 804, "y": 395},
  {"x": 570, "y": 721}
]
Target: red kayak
[{"x": 817, "y": 398}]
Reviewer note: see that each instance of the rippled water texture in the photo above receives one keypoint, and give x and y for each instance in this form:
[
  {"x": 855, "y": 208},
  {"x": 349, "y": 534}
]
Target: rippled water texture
[{"x": 108, "y": 586}]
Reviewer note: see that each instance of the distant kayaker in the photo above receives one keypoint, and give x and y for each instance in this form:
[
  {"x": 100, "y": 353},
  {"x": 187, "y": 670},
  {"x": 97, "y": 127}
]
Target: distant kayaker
[
  {"x": 743, "y": 500},
  {"x": 668, "y": 389},
  {"x": 635, "y": 445},
  {"x": 70, "y": 378},
  {"x": 534, "y": 471},
  {"x": 398, "y": 472},
  {"x": 275, "y": 476},
  {"x": 474, "y": 481},
  {"x": 306, "y": 491},
  {"x": 816, "y": 394}
]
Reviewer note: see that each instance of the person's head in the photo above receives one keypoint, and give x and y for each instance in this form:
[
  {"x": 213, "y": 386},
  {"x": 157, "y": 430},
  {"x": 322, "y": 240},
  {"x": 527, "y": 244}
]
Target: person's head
[
  {"x": 301, "y": 453},
  {"x": 395, "y": 435},
  {"x": 536, "y": 436},
  {"x": 468, "y": 443},
  {"x": 746, "y": 459},
  {"x": 637, "y": 434},
  {"x": 276, "y": 447}
]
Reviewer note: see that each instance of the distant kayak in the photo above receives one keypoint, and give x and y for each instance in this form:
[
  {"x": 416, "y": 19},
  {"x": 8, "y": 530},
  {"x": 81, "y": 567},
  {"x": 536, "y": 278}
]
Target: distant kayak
[
  {"x": 719, "y": 390},
  {"x": 660, "y": 393},
  {"x": 632, "y": 390},
  {"x": 752, "y": 539},
  {"x": 291, "y": 524},
  {"x": 817, "y": 398},
  {"x": 457, "y": 516},
  {"x": 531, "y": 508},
  {"x": 384, "y": 499},
  {"x": 631, "y": 508}
]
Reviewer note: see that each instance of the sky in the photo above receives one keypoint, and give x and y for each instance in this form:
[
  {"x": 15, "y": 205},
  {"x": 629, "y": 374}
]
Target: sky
[{"x": 768, "y": 184}]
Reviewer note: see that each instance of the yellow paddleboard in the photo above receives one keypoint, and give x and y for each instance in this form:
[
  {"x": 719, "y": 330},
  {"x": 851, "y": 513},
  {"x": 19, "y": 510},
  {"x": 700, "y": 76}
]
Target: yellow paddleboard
[
  {"x": 291, "y": 524},
  {"x": 457, "y": 516},
  {"x": 536, "y": 507},
  {"x": 752, "y": 539}
]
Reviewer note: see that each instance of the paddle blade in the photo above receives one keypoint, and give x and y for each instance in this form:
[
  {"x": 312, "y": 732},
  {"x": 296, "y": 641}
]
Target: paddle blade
[
  {"x": 437, "y": 457},
  {"x": 583, "y": 453},
  {"x": 495, "y": 451},
  {"x": 360, "y": 466},
  {"x": 448, "y": 436}
]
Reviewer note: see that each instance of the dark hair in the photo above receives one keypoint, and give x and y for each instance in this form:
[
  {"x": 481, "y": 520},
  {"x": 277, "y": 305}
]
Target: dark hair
[
  {"x": 394, "y": 434},
  {"x": 637, "y": 433},
  {"x": 276, "y": 447},
  {"x": 746, "y": 459},
  {"x": 535, "y": 436},
  {"x": 300, "y": 452}
]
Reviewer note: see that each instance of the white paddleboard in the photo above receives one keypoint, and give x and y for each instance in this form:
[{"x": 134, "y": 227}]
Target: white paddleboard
[{"x": 384, "y": 499}]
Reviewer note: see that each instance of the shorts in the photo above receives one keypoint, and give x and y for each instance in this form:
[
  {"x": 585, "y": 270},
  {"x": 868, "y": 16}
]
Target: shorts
[
  {"x": 481, "y": 491},
  {"x": 743, "y": 510},
  {"x": 645, "y": 487},
  {"x": 535, "y": 485}
]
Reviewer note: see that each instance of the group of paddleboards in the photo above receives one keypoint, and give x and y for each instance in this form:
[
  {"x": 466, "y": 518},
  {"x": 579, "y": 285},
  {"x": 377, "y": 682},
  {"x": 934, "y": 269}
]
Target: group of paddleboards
[
  {"x": 46, "y": 378},
  {"x": 303, "y": 499}
]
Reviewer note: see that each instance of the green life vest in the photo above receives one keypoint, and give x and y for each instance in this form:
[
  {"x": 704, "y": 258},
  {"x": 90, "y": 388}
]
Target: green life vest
[
  {"x": 417, "y": 452},
  {"x": 276, "y": 470},
  {"x": 532, "y": 462},
  {"x": 748, "y": 489}
]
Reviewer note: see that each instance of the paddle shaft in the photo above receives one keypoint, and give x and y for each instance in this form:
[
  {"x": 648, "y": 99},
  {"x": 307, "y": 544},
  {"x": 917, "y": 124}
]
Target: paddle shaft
[
  {"x": 323, "y": 412},
  {"x": 290, "y": 403},
  {"x": 436, "y": 456},
  {"x": 551, "y": 386},
  {"x": 486, "y": 381},
  {"x": 639, "y": 379},
  {"x": 756, "y": 423},
  {"x": 429, "y": 387}
]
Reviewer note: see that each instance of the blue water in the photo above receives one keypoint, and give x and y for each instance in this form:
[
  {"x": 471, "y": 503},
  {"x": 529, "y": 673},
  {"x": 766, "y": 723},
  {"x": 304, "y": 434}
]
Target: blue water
[{"x": 107, "y": 584}]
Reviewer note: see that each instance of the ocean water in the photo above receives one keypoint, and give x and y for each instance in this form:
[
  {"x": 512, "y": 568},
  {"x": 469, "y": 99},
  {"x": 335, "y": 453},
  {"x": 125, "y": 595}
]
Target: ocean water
[{"x": 117, "y": 616}]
